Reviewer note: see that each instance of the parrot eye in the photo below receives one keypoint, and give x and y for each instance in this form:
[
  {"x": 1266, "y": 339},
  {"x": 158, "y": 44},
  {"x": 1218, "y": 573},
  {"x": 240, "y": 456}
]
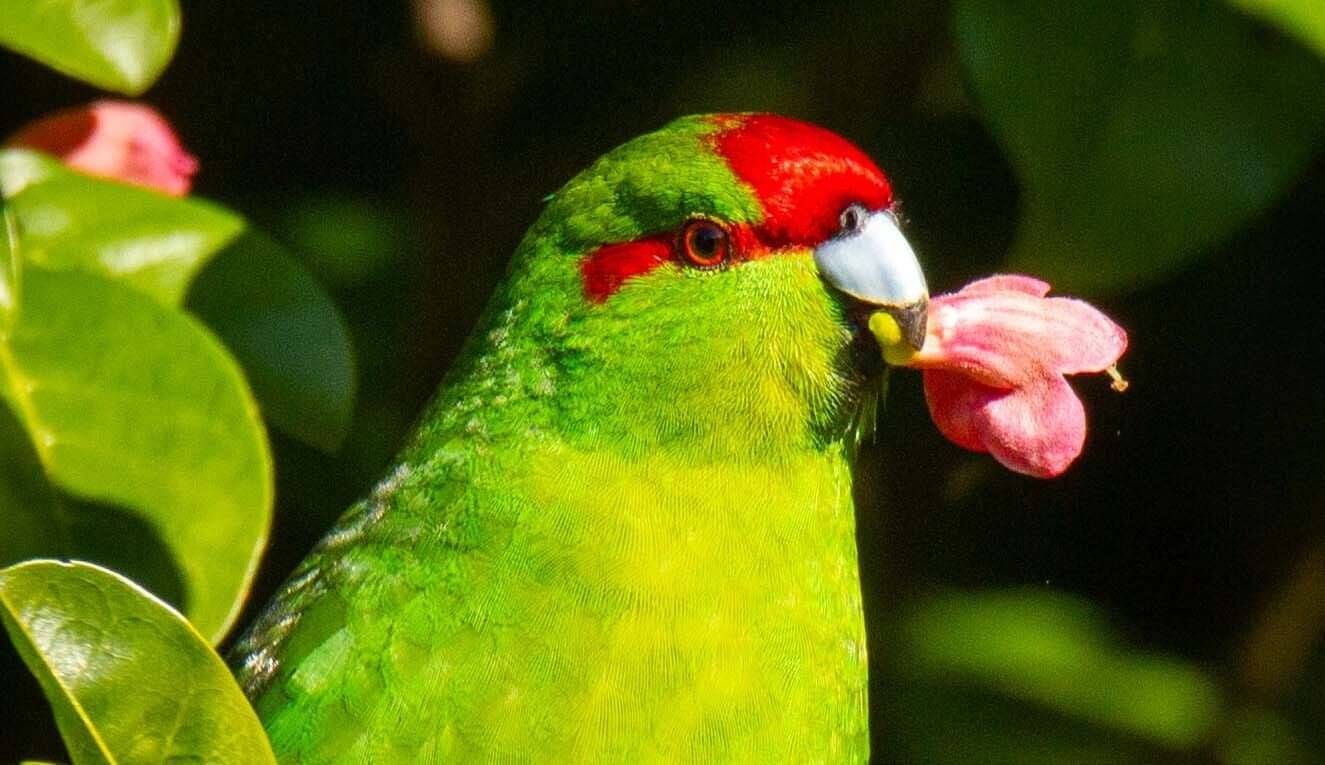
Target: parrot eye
[
  {"x": 704, "y": 243},
  {"x": 853, "y": 219}
]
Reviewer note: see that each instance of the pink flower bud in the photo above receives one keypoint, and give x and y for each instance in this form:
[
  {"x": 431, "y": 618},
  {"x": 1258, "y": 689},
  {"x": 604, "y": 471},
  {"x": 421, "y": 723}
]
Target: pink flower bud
[
  {"x": 994, "y": 361},
  {"x": 120, "y": 140}
]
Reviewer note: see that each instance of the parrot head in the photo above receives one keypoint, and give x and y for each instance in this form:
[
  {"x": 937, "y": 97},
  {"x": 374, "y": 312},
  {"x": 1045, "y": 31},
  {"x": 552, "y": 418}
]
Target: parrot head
[{"x": 704, "y": 288}]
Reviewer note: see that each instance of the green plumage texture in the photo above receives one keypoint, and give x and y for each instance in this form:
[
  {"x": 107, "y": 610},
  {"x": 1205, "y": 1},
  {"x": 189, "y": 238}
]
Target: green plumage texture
[{"x": 623, "y": 531}]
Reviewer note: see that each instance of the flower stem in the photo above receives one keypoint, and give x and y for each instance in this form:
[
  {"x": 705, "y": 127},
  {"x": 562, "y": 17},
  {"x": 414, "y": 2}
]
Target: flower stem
[{"x": 1120, "y": 383}]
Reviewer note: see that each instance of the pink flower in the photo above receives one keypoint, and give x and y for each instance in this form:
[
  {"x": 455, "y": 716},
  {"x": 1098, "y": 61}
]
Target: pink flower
[
  {"x": 994, "y": 361},
  {"x": 120, "y": 140}
]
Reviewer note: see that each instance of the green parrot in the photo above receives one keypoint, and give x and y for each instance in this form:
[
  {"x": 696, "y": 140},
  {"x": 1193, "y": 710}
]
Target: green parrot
[{"x": 623, "y": 531}]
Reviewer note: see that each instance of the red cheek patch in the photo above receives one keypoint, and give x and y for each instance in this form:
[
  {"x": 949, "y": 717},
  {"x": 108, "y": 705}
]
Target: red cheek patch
[{"x": 607, "y": 267}]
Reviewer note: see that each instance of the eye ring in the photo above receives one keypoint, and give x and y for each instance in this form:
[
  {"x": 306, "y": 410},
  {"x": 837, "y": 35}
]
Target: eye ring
[{"x": 704, "y": 243}]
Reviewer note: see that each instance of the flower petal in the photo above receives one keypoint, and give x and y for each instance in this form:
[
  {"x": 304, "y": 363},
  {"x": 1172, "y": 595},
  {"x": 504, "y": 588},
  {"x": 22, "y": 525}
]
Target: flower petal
[
  {"x": 1006, "y": 283},
  {"x": 1038, "y": 429},
  {"x": 1007, "y": 337},
  {"x": 956, "y": 403},
  {"x": 121, "y": 140}
]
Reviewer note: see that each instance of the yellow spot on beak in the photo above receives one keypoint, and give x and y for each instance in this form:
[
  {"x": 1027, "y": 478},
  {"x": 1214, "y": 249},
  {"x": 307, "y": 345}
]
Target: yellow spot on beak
[{"x": 888, "y": 333}]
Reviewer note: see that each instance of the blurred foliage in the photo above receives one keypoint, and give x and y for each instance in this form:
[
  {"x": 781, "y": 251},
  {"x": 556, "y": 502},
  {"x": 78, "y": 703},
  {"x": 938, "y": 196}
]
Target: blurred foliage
[
  {"x": 1301, "y": 18},
  {"x": 120, "y": 45},
  {"x": 161, "y": 695},
  {"x": 345, "y": 241},
  {"x": 1028, "y": 675},
  {"x": 1054, "y": 651},
  {"x": 1143, "y": 133},
  {"x": 289, "y": 337},
  {"x": 1154, "y": 605}
]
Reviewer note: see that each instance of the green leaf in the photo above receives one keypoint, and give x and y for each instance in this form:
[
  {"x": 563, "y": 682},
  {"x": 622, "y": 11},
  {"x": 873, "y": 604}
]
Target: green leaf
[
  {"x": 1143, "y": 133},
  {"x": 8, "y": 263},
  {"x": 26, "y": 498},
  {"x": 120, "y": 45},
  {"x": 1253, "y": 736},
  {"x": 287, "y": 334},
  {"x": 43, "y": 521},
  {"x": 1304, "y": 19},
  {"x": 129, "y": 680},
  {"x": 277, "y": 319},
  {"x": 344, "y": 240},
  {"x": 1055, "y": 651},
  {"x": 131, "y": 403},
  {"x": 65, "y": 219}
]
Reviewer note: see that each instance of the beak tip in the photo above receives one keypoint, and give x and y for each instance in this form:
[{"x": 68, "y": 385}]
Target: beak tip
[
  {"x": 915, "y": 334},
  {"x": 913, "y": 320}
]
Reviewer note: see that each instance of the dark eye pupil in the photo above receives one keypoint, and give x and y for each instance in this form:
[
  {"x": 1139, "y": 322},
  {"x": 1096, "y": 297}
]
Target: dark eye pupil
[{"x": 706, "y": 240}]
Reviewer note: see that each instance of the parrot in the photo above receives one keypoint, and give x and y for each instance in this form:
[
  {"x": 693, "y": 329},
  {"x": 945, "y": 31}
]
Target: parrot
[{"x": 623, "y": 529}]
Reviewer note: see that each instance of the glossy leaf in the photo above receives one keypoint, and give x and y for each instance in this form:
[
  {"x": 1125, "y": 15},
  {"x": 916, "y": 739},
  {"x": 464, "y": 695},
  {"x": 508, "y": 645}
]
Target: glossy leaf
[
  {"x": 1143, "y": 133},
  {"x": 120, "y": 45},
  {"x": 1304, "y": 19},
  {"x": 154, "y": 242},
  {"x": 8, "y": 264},
  {"x": 129, "y": 680},
  {"x": 26, "y": 498},
  {"x": 277, "y": 319},
  {"x": 43, "y": 521},
  {"x": 285, "y": 331},
  {"x": 133, "y": 404}
]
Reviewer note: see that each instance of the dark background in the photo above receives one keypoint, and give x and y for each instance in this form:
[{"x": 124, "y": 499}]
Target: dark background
[{"x": 1190, "y": 534}]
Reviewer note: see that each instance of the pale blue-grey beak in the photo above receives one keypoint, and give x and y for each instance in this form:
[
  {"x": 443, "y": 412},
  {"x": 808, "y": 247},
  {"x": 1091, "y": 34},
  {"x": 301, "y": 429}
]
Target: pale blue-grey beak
[{"x": 873, "y": 263}]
